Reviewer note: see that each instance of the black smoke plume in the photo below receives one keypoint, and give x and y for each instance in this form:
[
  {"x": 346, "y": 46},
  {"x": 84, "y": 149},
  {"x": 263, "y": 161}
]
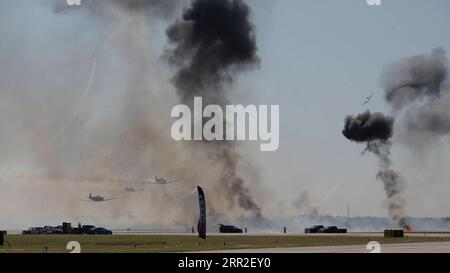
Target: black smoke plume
[
  {"x": 368, "y": 127},
  {"x": 211, "y": 43},
  {"x": 376, "y": 130}
]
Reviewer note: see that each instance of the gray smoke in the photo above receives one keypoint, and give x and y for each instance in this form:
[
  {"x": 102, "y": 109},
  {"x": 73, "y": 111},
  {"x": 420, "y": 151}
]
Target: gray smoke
[
  {"x": 305, "y": 205},
  {"x": 376, "y": 130},
  {"x": 81, "y": 96},
  {"x": 211, "y": 43},
  {"x": 419, "y": 86},
  {"x": 394, "y": 186},
  {"x": 414, "y": 78}
]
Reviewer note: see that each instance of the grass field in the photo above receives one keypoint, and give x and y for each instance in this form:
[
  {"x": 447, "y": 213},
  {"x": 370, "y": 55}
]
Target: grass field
[{"x": 175, "y": 243}]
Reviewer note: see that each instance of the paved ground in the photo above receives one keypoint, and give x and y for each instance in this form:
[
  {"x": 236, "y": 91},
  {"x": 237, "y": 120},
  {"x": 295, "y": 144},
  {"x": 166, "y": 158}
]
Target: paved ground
[{"x": 388, "y": 248}]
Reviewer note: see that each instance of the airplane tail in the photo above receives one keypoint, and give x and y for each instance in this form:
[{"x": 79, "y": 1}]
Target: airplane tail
[{"x": 90, "y": 195}]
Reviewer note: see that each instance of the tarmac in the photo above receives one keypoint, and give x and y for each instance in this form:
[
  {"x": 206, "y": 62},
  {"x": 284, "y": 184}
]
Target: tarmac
[{"x": 441, "y": 247}]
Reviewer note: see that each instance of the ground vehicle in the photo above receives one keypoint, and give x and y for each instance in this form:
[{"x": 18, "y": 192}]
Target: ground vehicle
[
  {"x": 99, "y": 231},
  {"x": 34, "y": 230},
  {"x": 85, "y": 228},
  {"x": 314, "y": 229},
  {"x": 229, "y": 229},
  {"x": 65, "y": 228},
  {"x": 48, "y": 230},
  {"x": 58, "y": 230},
  {"x": 333, "y": 229}
]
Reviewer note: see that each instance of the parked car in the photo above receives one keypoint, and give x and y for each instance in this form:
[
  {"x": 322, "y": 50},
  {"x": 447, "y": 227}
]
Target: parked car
[
  {"x": 86, "y": 228},
  {"x": 229, "y": 229},
  {"x": 99, "y": 231},
  {"x": 37, "y": 230},
  {"x": 333, "y": 229},
  {"x": 58, "y": 230},
  {"x": 47, "y": 230},
  {"x": 314, "y": 229}
]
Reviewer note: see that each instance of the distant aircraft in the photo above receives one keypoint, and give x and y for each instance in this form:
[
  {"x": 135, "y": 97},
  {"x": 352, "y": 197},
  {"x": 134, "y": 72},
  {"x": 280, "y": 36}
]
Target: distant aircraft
[
  {"x": 368, "y": 99},
  {"x": 98, "y": 198},
  {"x": 161, "y": 181},
  {"x": 131, "y": 189}
]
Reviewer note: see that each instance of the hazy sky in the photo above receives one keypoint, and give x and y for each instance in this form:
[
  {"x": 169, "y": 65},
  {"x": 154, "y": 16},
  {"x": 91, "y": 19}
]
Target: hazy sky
[{"x": 319, "y": 60}]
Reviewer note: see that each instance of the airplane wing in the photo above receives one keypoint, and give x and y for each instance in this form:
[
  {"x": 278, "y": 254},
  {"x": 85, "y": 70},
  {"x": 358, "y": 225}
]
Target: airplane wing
[{"x": 108, "y": 199}]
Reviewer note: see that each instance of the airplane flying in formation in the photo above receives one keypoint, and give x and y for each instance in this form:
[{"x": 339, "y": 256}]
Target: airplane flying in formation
[
  {"x": 131, "y": 189},
  {"x": 98, "y": 198},
  {"x": 161, "y": 181},
  {"x": 158, "y": 181}
]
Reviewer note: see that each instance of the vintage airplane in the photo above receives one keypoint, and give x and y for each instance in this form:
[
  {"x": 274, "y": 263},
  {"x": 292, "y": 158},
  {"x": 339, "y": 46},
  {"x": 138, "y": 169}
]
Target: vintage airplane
[
  {"x": 368, "y": 99},
  {"x": 98, "y": 198},
  {"x": 131, "y": 189},
  {"x": 161, "y": 181}
]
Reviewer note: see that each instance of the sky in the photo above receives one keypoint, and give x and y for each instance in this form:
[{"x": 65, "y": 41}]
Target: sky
[{"x": 319, "y": 61}]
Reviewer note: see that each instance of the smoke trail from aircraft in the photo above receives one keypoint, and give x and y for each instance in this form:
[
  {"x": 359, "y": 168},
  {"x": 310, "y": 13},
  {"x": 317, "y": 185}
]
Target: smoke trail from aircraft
[
  {"x": 78, "y": 107},
  {"x": 376, "y": 130},
  {"x": 211, "y": 43}
]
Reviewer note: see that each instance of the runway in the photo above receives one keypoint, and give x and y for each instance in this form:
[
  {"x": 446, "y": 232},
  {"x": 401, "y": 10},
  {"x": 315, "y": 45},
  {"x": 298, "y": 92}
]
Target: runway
[{"x": 443, "y": 247}]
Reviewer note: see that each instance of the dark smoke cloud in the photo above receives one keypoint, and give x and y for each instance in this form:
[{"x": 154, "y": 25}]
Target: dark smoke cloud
[
  {"x": 415, "y": 78},
  {"x": 376, "y": 129},
  {"x": 419, "y": 84},
  {"x": 214, "y": 40},
  {"x": 367, "y": 127}
]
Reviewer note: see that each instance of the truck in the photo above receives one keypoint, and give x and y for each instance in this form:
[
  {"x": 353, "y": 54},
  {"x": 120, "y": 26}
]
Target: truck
[
  {"x": 314, "y": 229},
  {"x": 333, "y": 229}
]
